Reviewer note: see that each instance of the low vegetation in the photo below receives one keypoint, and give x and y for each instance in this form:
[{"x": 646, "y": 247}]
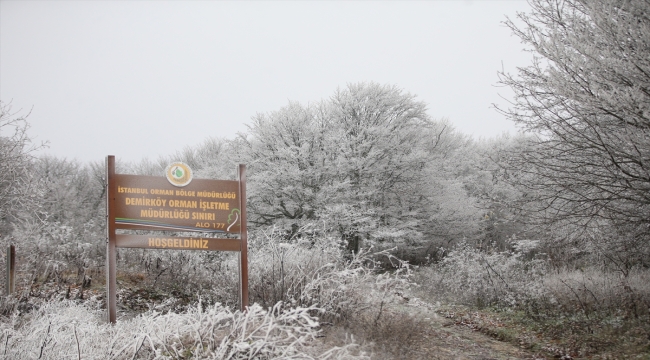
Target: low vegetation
[{"x": 562, "y": 312}]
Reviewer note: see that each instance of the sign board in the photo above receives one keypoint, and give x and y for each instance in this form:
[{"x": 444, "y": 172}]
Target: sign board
[
  {"x": 175, "y": 203},
  {"x": 176, "y": 242},
  {"x": 152, "y": 203}
]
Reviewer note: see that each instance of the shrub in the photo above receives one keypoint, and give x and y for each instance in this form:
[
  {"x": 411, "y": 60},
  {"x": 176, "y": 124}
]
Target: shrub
[
  {"x": 67, "y": 330},
  {"x": 473, "y": 277}
]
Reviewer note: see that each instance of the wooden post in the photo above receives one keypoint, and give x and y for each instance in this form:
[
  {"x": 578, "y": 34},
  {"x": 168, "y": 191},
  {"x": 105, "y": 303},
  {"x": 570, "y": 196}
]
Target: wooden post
[
  {"x": 111, "y": 266},
  {"x": 11, "y": 269},
  {"x": 243, "y": 252}
]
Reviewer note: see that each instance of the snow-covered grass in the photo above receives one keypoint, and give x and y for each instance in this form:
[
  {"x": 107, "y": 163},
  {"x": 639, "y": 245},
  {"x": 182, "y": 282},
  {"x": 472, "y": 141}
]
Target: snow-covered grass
[
  {"x": 294, "y": 285},
  {"x": 68, "y": 330}
]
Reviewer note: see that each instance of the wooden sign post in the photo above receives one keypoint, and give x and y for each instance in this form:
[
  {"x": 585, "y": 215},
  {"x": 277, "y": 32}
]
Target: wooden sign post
[
  {"x": 11, "y": 270},
  {"x": 175, "y": 203}
]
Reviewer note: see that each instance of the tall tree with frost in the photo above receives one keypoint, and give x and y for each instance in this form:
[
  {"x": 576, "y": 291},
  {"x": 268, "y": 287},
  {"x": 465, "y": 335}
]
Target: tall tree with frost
[
  {"x": 353, "y": 162},
  {"x": 586, "y": 97},
  {"x": 16, "y": 183},
  {"x": 383, "y": 138},
  {"x": 286, "y": 153}
]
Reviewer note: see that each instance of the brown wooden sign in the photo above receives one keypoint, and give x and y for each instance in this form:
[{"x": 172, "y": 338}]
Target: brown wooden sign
[
  {"x": 177, "y": 204},
  {"x": 176, "y": 242},
  {"x": 152, "y": 203}
]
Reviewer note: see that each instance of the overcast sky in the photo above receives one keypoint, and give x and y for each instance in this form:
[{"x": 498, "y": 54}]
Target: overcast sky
[{"x": 141, "y": 79}]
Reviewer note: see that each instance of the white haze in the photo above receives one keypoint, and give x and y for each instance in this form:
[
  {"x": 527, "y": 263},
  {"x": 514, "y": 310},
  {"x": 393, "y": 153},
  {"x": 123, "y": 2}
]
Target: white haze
[{"x": 147, "y": 78}]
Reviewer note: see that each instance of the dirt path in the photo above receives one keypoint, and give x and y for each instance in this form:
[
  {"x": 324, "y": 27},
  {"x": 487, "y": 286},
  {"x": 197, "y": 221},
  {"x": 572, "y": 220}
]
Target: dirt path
[
  {"x": 446, "y": 340},
  {"x": 436, "y": 338}
]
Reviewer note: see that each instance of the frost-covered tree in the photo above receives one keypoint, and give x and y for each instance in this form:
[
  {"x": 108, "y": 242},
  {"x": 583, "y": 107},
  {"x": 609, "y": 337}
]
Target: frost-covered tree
[
  {"x": 64, "y": 227},
  {"x": 287, "y": 151},
  {"x": 384, "y": 138},
  {"x": 16, "y": 181},
  {"x": 586, "y": 97},
  {"x": 476, "y": 167},
  {"x": 211, "y": 155},
  {"x": 354, "y": 162}
]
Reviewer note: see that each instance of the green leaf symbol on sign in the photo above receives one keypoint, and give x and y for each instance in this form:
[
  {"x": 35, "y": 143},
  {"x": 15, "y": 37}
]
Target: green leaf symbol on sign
[
  {"x": 178, "y": 172},
  {"x": 234, "y": 216}
]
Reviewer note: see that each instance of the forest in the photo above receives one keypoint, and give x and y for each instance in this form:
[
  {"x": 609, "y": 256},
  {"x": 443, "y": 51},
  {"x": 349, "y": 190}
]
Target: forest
[{"x": 370, "y": 221}]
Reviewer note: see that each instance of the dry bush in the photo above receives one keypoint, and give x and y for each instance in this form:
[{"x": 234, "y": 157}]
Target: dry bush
[
  {"x": 67, "y": 330},
  {"x": 282, "y": 269},
  {"x": 353, "y": 291},
  {"x": 391, "y": 330},
  {"x": 578, "y": 311},
  {"x": 593, "y": 291},
  {"x": 184, "y": 274},
  {"x": 278, "y": 269},
  {"x": 511, "y": 280},
  {"x": 472, "y": 277},
  {"x": 303, "y": 272}
]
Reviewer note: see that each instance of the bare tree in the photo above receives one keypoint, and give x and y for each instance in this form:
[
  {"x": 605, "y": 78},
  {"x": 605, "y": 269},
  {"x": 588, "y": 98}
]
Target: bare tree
[{"x": 586, "y": 97}]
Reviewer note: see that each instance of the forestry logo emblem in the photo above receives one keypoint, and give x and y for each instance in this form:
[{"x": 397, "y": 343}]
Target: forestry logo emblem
[{"x": 178, "y": 174}]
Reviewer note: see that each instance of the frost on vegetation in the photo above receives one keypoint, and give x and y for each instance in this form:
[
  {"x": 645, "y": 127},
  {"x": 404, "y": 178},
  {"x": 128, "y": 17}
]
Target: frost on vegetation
[
  {"x": 65, "y": 330},
  {"x": 473, "y": 277},
  {"x": 356, "y": 286},
  {"x": 514, "y": 280},
  {"x": 296, "y": 281},
  {"x": 318, "y": 274}
]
